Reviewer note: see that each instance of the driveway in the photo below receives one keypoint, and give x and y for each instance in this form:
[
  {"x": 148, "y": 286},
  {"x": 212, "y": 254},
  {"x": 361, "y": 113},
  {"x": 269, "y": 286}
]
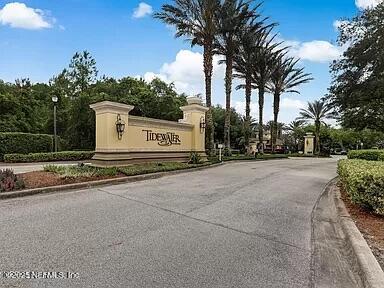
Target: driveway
[{"x": 242, "y": 224}]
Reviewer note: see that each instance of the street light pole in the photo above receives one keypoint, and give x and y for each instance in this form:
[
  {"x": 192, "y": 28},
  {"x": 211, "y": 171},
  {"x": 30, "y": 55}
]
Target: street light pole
[{"x": 54, "y": 100}]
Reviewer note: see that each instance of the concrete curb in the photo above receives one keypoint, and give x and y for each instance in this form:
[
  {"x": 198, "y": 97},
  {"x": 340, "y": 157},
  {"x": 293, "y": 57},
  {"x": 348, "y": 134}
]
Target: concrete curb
[
  {"x": 90, "y": 184},
  {"x": 370, "y": 271}
]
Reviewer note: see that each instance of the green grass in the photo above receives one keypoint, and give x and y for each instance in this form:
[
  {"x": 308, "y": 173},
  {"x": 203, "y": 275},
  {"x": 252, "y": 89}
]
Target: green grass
[
  {"x": 81, "y": 171},
  {"x": 137, "y": 169},
  {"x": 307, "y": 155},
  {"x": 157, "y": 167},
  {"x": 258, "y": 157}
]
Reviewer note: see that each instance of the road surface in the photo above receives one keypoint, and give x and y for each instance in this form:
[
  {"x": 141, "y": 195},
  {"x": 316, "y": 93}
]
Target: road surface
[{"x": 244, "y": 224}]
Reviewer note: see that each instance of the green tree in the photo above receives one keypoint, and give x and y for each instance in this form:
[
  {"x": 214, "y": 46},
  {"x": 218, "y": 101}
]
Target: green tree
[
  {"x": 232, "y": 17},
  {"x": 250, "y": 38},
  {"x": 285, "y": 78},
  {"x": 317, "y": 112},
  {"x": 296, "y": 131},
  {"x": 263, "y": 67},
  {"x": 358, "y": 77},
  {"x": 82, "y": 72},
  {"x": 196, "y": 20}
]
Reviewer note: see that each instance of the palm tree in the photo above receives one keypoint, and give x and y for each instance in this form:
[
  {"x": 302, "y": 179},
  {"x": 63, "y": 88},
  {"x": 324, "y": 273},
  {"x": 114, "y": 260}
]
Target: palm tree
[
  {"x": 317, "y": 112},
  {"x": 251, "y": 38},
  {"x": 232, "y": 18},
  {"x": 263, "y": 69},
  {"x": 296, "y": 128},
  {"x": 196, "y": 20},
  {"x": 285, "y": 78}
]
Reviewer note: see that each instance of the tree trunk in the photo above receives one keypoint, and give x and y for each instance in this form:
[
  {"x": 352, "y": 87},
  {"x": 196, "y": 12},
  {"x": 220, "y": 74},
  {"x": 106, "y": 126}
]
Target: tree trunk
[
  {"x": 317, "y": 138},
  {"x": 261, "y": 129},
  {"x": 228, "y": 86},
  {"x": 276, "y": 108},
  {"x": 208, "y": 67},
  {"x": 248, "y": 94}
]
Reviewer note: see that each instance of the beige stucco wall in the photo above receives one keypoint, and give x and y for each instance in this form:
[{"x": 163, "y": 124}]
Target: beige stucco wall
[{"x": 147, "y": 135}]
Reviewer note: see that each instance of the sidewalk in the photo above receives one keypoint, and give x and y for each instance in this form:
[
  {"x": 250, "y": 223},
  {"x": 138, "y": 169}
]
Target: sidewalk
[{"x": 36, "y": 166}]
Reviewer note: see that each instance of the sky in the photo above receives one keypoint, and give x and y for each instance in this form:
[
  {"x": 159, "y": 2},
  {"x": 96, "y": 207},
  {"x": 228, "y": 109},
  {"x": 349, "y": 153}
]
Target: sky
[{"x": 39, "y": 37}]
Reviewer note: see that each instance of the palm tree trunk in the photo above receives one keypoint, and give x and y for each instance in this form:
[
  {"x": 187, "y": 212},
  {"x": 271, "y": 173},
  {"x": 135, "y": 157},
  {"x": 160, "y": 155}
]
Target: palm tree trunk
[
  {"x": 276, "y": 108},
  {"x": 208, "y": 67},
  {"x": 317, "y": 138},
  {"x": 261, "y": 109},
  {"x": 228, "y": 86},
  {"x": 248, "y": 94}
]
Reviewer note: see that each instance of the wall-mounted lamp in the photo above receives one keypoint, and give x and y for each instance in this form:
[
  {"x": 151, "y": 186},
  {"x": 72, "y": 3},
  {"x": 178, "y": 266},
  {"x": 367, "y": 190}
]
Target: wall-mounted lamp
[
  {"x": 202, "y": 124},
  {"x": 120, "y": 126}
]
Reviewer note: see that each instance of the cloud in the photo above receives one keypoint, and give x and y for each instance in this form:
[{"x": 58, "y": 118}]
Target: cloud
[
  {"x": 315, "y": 51},
  {"x": 365, "y": 4},
  {"x": 142, "y": 10},
  {"x": 240, "y": 108},
  {"x": 18, "y": 15},
  {"x": 289, "y": 103},
  {"x": 186, "y": 72}
]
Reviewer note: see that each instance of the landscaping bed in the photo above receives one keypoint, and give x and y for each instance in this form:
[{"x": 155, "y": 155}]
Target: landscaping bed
[
  {"x": 54, "y": 175},
  {"x": 370, "y": 225},
  {"x": 258, "y": 157}
]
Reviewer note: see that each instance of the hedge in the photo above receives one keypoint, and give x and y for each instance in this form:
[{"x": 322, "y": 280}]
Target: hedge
[
  {"x": 45, "y": 157},
  {"x": 364, "y": 183},
  {"x": 15, "y": 142},
  {"x": 371, "y": 155}
]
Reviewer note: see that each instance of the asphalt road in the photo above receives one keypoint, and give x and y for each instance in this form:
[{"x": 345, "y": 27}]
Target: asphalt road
[{"x": 239, "y": 225}]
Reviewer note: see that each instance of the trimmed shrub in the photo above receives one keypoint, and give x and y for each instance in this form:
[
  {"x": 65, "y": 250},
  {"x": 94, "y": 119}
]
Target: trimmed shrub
[
  {"x": 9, "y": 181},
  {"x": 371, "y": 155},
  {"x": 46, "y": 157},
  {"x": 194, "y": 158},
  {"x": 15, "y": 142},
  {"x": 364, "y": 183}
]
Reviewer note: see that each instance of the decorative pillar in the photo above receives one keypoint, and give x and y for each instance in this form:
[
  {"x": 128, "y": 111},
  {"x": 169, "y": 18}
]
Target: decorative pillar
[
  {"x": 109, "y": 117},
  {"x": 309, "y": 141},
  {"x": 194, "y": 113}
]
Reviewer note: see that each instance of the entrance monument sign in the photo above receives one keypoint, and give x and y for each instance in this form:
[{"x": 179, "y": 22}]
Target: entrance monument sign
[{"x": 123, "y": 139}]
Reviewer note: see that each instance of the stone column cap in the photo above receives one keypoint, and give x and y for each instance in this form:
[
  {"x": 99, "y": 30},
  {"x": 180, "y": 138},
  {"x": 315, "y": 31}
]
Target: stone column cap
[
  {"x": 110, "y": 106},
  {"x": 194, "y": 105}
]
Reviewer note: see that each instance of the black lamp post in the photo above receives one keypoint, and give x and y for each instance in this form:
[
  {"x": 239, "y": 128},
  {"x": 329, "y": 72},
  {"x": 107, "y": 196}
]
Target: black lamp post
[{"x": 54, "y": 100}]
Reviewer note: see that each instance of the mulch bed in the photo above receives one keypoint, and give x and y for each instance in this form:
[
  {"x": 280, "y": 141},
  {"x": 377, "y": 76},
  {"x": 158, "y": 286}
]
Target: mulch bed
[
  {"x": 369, "y": 224},
  {"x": 40, "y": 179}
]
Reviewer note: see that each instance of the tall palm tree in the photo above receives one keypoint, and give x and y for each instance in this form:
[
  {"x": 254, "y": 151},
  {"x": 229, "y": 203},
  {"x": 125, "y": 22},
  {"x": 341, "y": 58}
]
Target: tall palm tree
[
  {"x": 263, "y": 69},
  {"x": 196, "y": 20},
  {"x": 285, "y": 78},
  {"x": 317, "y": 112},
  {"x": 251, "y": 38},
  {"x": 296, "y": 129},
  {"x": 232, "y": 18}
]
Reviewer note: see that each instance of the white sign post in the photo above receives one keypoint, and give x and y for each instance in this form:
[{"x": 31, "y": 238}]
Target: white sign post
[{"x": 220, "y": 146}]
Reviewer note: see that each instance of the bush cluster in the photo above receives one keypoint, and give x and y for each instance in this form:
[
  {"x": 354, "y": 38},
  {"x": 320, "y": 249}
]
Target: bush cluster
[
  {"x": 364, "y": 183},
  {"x": 46, "y": 157},
  {"x": 15, "y": 142},
  {"x": 371, "y": 155},
  {"x": 9, "y": 181}
]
